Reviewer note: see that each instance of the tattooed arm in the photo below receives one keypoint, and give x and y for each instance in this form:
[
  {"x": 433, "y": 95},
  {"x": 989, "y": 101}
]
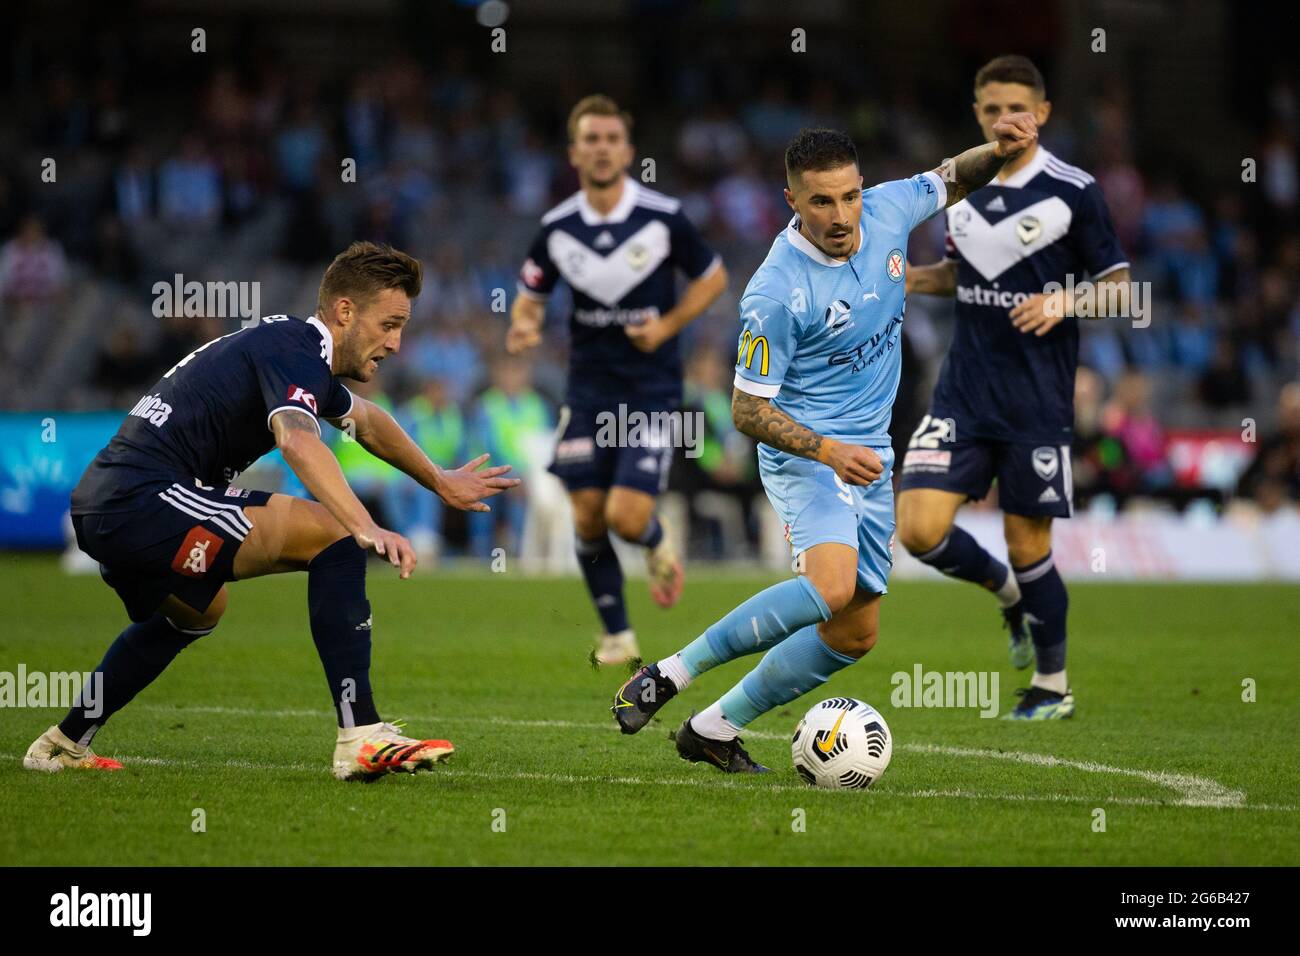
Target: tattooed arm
[
  {"x": 967, "y": 172},
  {"x": 757, "y": 418}
]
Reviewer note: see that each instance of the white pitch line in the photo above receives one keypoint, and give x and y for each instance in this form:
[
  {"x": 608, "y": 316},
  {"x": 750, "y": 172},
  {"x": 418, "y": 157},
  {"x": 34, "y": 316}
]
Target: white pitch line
[
  {"x": 705, "y": 783},
  {"x": 1192, "y": 790}
]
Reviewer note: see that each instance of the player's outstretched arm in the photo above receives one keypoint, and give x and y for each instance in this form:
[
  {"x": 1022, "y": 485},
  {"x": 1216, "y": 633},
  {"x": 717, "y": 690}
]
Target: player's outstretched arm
[
  {"x": 975, "y": 168},
  {"x": 940, "y": 278},
  {"x": 760, "y": 420},
  {"x": 697, "y": 297},
  {"x": 463, "y": 488},
  {"x": 298, "y": 438}
]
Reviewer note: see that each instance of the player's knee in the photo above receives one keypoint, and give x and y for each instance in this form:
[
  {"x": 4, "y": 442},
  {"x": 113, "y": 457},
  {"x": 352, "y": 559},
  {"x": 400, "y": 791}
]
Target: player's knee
[
  {"x": 853, "y": 642},
  {"x": 836, "y": 590},
  {"x": 193, "y": 624},
  {"x": 1027, "y": 544},
  {"x": 919, "y": 533},
  {"x": 589, "y": 523},
  {"x": 627, "y": 525}
]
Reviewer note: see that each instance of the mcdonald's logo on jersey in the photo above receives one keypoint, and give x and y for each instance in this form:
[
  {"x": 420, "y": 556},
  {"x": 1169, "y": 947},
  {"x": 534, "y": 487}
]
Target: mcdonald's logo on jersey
[{"x": 749, "y": 343}]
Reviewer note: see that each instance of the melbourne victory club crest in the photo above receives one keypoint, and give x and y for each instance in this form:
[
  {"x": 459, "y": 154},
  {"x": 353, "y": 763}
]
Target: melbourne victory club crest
[
  {"x": 894, "y": 265},
  {"x": 1029, "y": 229},
  {"x": 1045, "y": 462}
]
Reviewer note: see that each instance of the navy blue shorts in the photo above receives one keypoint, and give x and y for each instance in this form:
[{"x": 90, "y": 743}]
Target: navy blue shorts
[
  {"x": 594, "y": 452},
  {"x": 179, "y": 538},
  {"x": 1033, "y": 478}
]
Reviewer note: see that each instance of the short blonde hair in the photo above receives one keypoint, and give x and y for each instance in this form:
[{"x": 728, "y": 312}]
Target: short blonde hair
[{"x": 598, "y": 104}]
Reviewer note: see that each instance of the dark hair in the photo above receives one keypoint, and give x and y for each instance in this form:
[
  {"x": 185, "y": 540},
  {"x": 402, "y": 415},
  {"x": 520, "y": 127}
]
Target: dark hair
[
  {"x": 1011, "y": 69},
  {"x": 364, "y": 269},
  {"x": 819, "y": 150},
  {"x": 598, "y": 104}
]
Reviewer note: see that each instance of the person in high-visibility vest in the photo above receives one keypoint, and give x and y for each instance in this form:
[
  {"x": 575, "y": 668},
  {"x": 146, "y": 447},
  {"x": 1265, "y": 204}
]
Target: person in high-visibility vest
[
  {"x": 508, "y": 416},
  {"x": 439, "y": 428}
]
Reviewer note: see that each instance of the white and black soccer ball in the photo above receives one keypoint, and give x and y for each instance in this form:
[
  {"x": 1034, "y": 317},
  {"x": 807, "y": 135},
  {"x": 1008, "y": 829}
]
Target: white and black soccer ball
[{"x": 842, "y": 744}]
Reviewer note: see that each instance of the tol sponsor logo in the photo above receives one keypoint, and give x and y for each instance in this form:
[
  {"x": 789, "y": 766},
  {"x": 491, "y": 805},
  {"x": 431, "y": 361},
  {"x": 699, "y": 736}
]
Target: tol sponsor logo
[
  {"x": 74, "y": 908},
  {"x": 922, "y": 688},
  {"x": 220, "y": 300},
  {"x": 53, "y": 689},
  {"x": 660, "y": 429}
]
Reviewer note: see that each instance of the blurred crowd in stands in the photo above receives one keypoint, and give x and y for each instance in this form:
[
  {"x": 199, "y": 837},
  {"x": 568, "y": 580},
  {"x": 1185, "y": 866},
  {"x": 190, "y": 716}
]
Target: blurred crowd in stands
[{"x": 248, "y": 181}]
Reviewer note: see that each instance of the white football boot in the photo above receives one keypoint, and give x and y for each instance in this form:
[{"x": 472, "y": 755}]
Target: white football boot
[
  {"x": 370, "y": 752},
  {"x": 616, "y": 648},
  {"x": 52, "y": 751},
  {"x": 664, "y": 568}
]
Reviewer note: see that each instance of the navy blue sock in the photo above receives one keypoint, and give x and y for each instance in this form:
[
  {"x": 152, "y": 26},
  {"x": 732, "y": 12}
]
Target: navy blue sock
[
  {"x": 340, "y": 626},
  {"x": 1046, "y": 604},
  {"x": 959, "y": 555},
  {"x": 604, "y": 578},
  {"x": 652, "y": 535},
  {"x": 131, "y": 664}
]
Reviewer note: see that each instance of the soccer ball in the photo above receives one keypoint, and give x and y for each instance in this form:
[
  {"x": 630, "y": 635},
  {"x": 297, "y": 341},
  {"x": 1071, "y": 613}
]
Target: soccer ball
[{"x": 842, "y": 744}]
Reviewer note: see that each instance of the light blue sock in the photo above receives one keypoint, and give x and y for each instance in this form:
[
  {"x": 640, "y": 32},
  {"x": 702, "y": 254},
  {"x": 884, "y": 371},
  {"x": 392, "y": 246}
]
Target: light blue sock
[
  {"x": 766, "y": 619},
  {"x": 796, "y": 666}
]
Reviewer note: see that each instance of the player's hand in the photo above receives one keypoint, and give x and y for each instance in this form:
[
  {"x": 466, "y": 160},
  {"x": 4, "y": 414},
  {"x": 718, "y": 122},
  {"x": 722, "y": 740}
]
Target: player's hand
[
  {"x": 650, "y": 334},
  {"x": 466, "y": 487},
  {"x": 1040, "y": 313},
  {"x": 907, "y": 279},
  {"x": 523, "y": 334},
  {"x": 1015, "y": 133},
  {"x": 390, "y": 545},
  {"x": 855, "y": 464}
]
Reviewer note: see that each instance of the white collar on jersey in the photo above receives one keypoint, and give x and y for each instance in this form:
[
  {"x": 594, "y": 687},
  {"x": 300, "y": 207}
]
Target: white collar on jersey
[
  {"x": 796, "y": 239},
  {"x": 1028, "y": 171},
  {"x": 622, "y": 209},
  {"x": 327, "y": 340}
]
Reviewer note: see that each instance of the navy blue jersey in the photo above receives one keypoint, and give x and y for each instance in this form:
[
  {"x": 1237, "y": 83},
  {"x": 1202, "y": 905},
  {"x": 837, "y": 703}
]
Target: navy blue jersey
[
  {"x": 620, "y": 268},
  {"x": 209, "y": 417},
  {"x": 1010, "y": 240}
]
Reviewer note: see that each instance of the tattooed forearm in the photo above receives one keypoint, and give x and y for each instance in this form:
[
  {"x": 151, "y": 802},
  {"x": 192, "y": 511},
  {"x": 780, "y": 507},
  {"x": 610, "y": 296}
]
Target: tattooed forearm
[
  {"x": 755, "y": 417},
  {"x": 967, "y": 172}
]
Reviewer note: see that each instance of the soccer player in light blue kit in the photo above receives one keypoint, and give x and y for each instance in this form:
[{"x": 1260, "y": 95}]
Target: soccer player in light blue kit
[{"x": 817, "y": 369}]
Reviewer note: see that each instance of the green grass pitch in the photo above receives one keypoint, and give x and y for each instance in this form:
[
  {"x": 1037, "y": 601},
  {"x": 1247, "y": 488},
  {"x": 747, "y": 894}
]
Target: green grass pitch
[{"x": 240, "y": 726}]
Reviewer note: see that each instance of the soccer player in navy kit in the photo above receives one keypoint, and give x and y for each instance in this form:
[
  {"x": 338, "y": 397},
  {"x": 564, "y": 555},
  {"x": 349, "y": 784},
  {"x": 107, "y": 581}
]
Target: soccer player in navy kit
[
  {"x": 158, "y": 507},
  {"x": 1004, "y": 404},
  {"x": 617, "y": 245}
]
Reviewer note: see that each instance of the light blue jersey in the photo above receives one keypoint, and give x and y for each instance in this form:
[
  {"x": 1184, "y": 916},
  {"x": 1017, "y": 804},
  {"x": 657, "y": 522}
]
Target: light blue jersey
[{"x": 820, "y": 338}]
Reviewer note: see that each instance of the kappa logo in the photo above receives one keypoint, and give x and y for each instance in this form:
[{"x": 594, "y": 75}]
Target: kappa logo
[
  {"x": 197, "y": 552},
  {"x": 531, "y": 273},
  {"x": 1029, "y": 228},
  {"x": 297, "y": 394},
  {"x": 1046, "y": 463}
]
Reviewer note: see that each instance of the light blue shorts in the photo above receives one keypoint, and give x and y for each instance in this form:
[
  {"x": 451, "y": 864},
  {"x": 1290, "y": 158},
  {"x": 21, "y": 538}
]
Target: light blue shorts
[{"x": 816, "y": 508}]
